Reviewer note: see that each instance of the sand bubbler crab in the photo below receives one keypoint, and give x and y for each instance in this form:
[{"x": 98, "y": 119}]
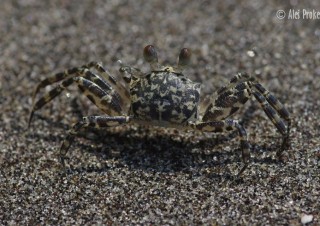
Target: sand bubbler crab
[{"x": 163, "y": 97}]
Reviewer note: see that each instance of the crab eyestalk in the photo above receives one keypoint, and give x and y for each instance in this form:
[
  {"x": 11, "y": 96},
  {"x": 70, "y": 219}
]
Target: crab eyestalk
[
  {"x": 184, "y": 58},
  {"x": 150, "y": 55}
]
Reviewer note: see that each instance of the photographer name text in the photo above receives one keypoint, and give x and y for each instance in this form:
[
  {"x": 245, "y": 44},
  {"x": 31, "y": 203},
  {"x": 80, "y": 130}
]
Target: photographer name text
[{"x": 298, "y": 14}]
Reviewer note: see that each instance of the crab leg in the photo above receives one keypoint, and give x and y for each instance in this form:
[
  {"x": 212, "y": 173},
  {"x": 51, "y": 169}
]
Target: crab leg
[
  {"x": 98, "y": 91},
  {"x": 227, "y": 125},
  {"x": 239, "y": 78},
  {"x": 55, "y": 78},
  {"x": 49, "y": 96},
  {"x": 235, "y": 80},
  {"x": 90, "y": 121},
  {"x": 78, "y": 71},
  {"x": 232, "y": 97},
  {"x": 227, "y": 104},
  {"x": 243, "y": 81},
  {"x": 123, "y": 92},
  {"x": 275, "y": 103},
  {"x": 273, "y": 115}
]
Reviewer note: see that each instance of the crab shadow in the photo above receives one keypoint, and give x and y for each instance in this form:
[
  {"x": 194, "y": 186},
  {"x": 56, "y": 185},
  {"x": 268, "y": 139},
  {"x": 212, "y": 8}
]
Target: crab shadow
[
  {"x": 141, "y": 148},
  {"x": 165, "y": 154}
]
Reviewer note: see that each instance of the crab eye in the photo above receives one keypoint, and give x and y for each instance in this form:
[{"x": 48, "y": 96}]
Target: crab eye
[
  {"x": 184, "y": 57},
  {"x": 150, "y": 54}
]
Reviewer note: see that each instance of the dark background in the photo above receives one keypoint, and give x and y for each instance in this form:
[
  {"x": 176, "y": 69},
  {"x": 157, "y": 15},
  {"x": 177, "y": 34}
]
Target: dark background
[{"x": 133, "y": 174}]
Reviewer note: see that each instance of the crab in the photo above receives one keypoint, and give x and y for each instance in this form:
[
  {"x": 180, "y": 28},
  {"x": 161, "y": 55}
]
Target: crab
[{"x": 163, "y": 97}]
